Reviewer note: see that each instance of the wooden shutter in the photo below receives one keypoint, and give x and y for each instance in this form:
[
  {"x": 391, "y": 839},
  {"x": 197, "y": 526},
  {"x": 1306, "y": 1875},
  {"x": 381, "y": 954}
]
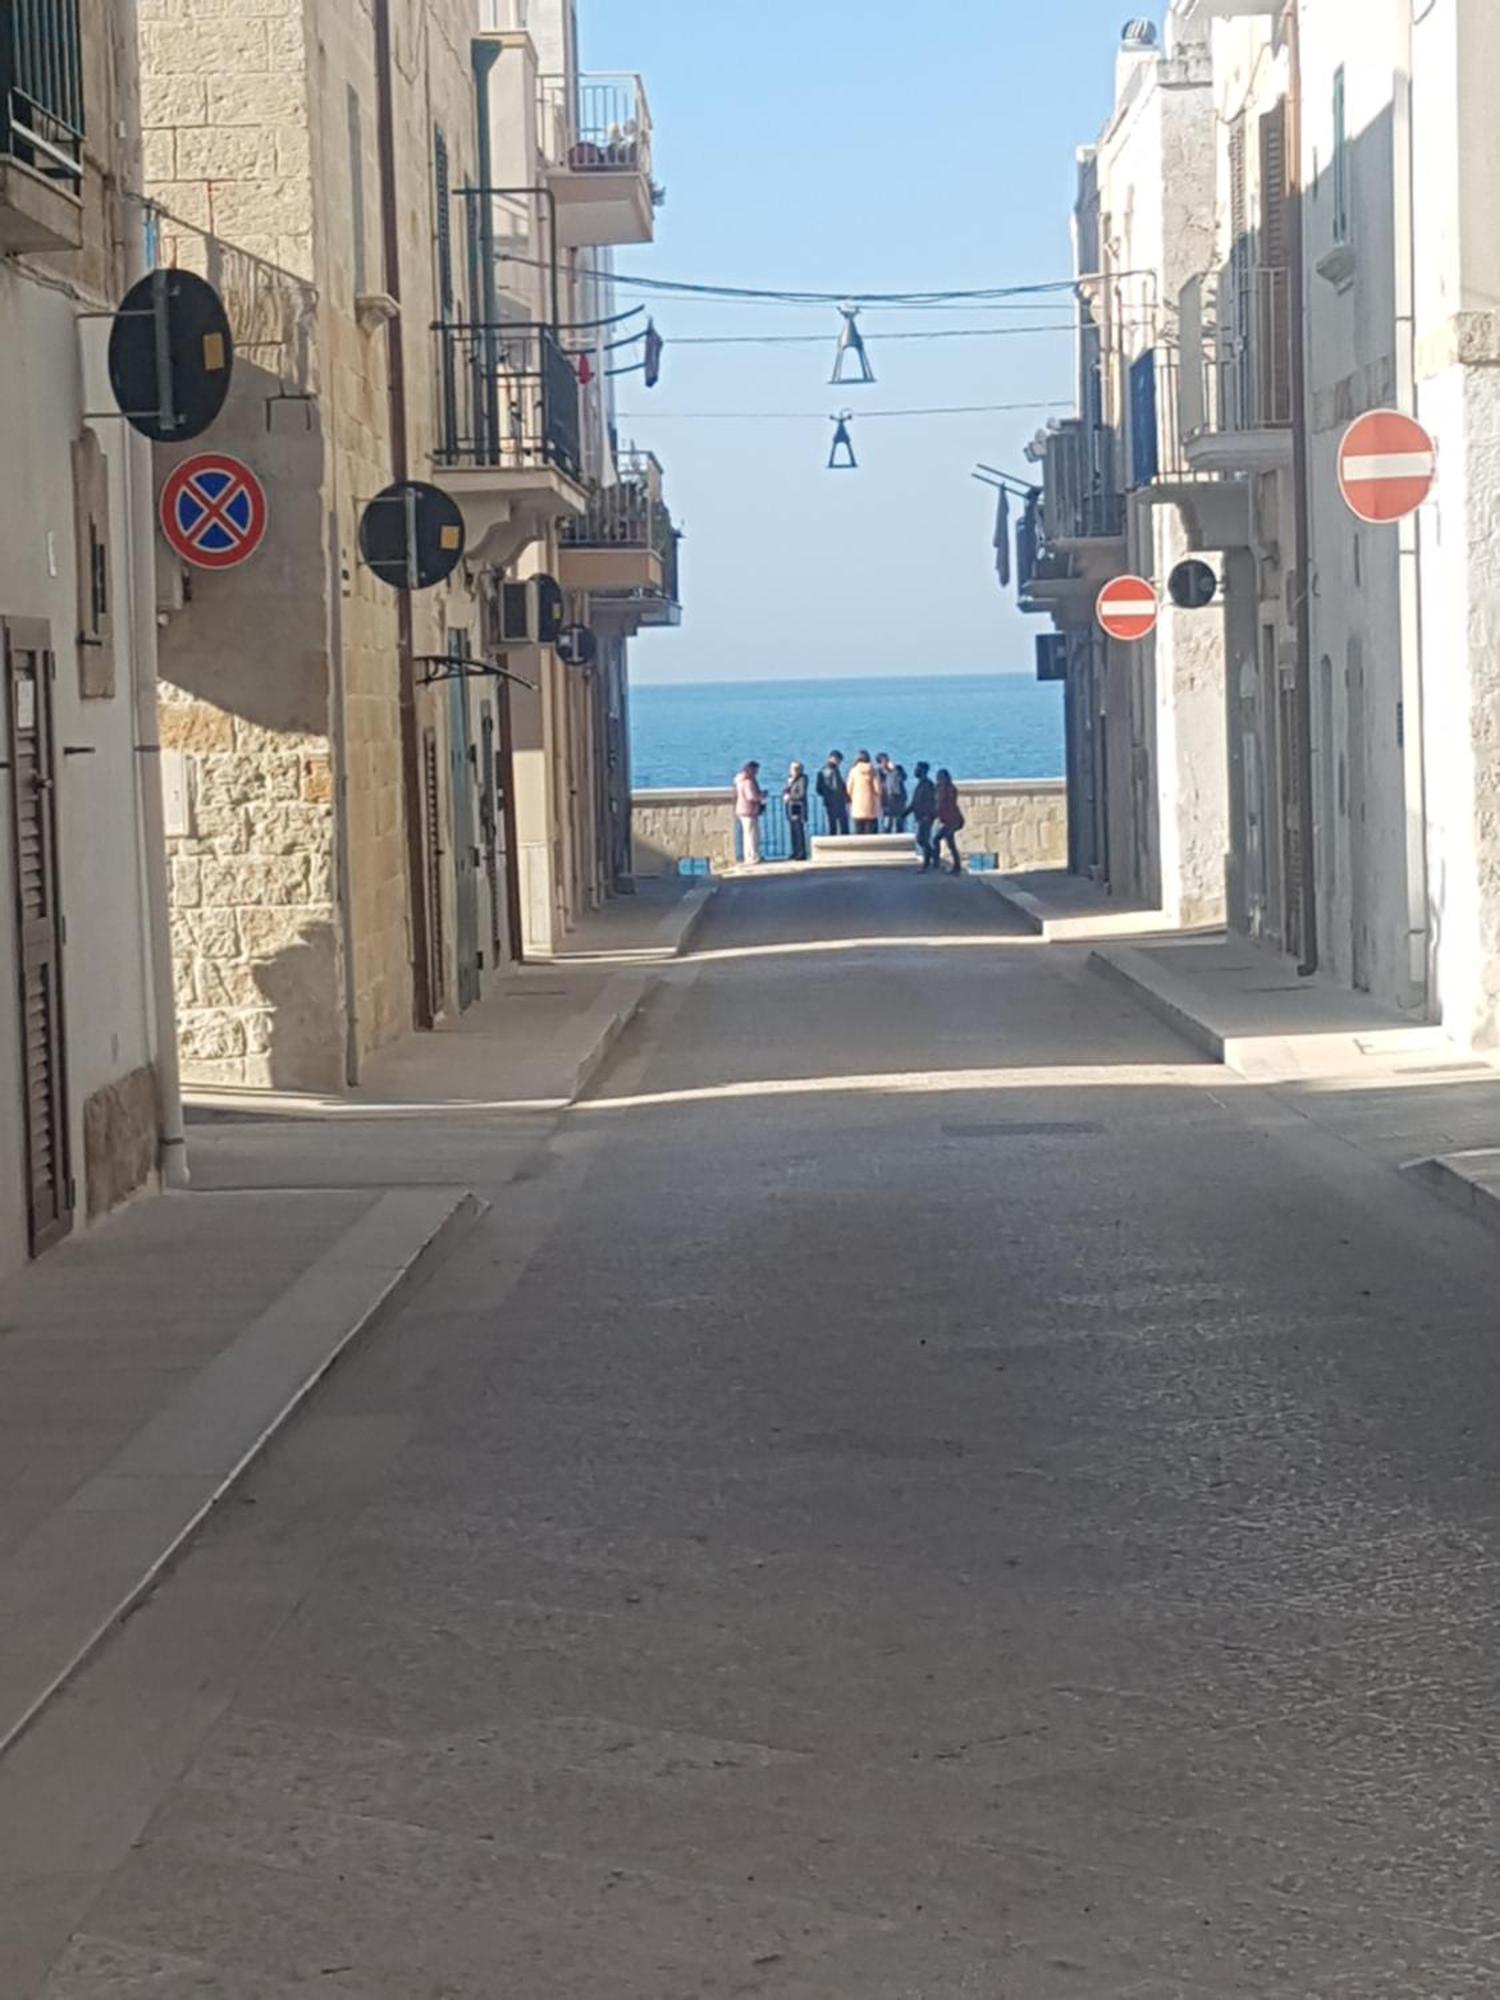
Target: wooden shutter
[
  {"x": 1275, "y": 240},
  {"x": 437, "y": 943},
  {"x": 96, "y": 652},
  {"x": 28, "y": 686}
]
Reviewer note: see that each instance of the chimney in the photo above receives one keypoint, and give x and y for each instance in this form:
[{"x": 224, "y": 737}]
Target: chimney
[{"x": 1138, "y": 50}]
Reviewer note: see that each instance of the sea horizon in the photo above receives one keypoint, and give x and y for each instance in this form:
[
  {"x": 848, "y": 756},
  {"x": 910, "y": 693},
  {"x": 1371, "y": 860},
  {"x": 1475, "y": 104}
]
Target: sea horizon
[{"x": 697, "y": 734}]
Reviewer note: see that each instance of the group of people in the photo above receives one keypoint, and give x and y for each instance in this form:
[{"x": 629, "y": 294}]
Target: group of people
[{"x": 872, "y": 796}]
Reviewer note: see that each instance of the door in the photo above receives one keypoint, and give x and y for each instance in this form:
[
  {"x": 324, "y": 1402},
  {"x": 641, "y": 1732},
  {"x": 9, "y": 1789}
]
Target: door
[
  {"x": 39, "y": 927},
  {"x": 506, "y": 779},
  {"x": 432, "y": 814},
  {"x": 465, "y": 852},
  {"x": 489, "y": 828}
]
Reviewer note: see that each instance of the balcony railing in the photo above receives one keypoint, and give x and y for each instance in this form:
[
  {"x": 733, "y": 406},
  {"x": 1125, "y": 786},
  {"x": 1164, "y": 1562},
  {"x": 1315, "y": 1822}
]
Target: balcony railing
[
  {"x": 1237, "y": 353},
  {"x": 41, "y": 88},
  {"x": 597, "y": 124},
  {"x": 1155, "y": 439},
  {"x": 1080, "y": 499},
  {"x": 630, "y": 514},
  {"x": 510, "y": 398}
]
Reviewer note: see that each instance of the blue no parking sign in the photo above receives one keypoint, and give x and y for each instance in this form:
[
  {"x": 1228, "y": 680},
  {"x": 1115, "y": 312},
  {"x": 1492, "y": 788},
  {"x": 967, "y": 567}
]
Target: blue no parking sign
[{"x": 213, "y": 511}]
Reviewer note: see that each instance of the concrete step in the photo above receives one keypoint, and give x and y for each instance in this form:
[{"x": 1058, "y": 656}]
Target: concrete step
[{"x": 863, "y": 850}]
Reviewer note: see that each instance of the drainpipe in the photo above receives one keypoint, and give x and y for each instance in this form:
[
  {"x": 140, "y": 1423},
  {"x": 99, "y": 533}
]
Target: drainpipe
[
  {"x": 1412, "y": 718},
  {"x": 1307, "y": 943},
  {"x": 172, "y": 1156},
  {"x": 411, "y": 770}
]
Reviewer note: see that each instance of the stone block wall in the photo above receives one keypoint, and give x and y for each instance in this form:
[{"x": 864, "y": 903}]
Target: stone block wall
[
  {"x": 1023, "y": 823},
  {"x": 671, "y": 827}
]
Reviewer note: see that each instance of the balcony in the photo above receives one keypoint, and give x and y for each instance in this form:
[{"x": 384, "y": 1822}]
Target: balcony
[
  {"x": 1235, "y": 392},
  {"x": 41, "y": 125},
  {"x": 510, "y": 442},
  {"x": 1082, "y": 506},
  {"x": 596, "y": 139},
  {"x": 623, "y": 549}
]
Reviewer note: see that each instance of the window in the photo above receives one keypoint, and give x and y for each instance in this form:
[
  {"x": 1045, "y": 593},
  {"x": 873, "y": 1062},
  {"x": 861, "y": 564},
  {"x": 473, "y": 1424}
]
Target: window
[
  {"x": 1340, "y": 161},
  {"x": 96, "y": 655},
  {"x": 357, "y": 191}
]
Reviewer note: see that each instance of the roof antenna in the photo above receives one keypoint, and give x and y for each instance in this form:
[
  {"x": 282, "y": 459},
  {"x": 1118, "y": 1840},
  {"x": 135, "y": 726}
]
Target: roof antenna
[
  {"x": 851, "y": 349},
  {"x": 842, "y": 442}
]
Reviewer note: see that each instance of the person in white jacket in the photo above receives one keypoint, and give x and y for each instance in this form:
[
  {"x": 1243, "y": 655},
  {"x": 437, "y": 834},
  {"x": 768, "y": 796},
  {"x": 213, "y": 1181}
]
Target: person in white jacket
[{"x": 749, "y": 804}]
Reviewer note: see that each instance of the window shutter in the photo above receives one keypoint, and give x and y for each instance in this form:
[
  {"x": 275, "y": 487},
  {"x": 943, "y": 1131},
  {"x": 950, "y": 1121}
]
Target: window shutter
[
  {"x": 1275, "y": 240},
  {"x": 444, "y": 190},
  {"x": 96, "y": 653}
]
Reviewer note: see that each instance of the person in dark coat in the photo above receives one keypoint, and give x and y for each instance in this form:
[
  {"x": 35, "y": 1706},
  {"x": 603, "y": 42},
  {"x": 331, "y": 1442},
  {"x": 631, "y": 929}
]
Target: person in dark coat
[
  {"x": 893, "y": 800},
  {"x": 794, "y": 797},
  {"x": 923, "y": 806},
  {"x": 834, "y": 792}
]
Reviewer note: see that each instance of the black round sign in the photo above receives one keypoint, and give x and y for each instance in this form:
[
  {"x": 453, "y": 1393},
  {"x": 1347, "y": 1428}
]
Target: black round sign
[
  {"x": 577, "y": 646},
  {"x": 550, "y": 610},
  {"x": 412, "y": 535},
  {"x": 171, "y": 355},
  {"x": 1192, "y": 585}
]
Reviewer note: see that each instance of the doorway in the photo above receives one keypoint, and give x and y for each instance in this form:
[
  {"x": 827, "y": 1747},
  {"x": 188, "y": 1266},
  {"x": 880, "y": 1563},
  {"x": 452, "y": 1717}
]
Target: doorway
[
  {"x": 461, "y": 807},
  {"x": 29, "y": 670}
]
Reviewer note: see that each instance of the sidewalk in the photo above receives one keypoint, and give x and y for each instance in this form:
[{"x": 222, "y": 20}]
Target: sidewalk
[
  {"x": 144, "y": 1363},
  {"x": 532, "y": 1043},
  {"x": 1399, "y": 1090},
  {"x": 1067, "y": 909}
]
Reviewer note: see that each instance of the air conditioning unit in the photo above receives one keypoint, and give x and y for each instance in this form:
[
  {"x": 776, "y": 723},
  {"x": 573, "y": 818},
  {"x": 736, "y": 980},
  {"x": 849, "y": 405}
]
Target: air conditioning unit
[{"x": 531, "y": 613}]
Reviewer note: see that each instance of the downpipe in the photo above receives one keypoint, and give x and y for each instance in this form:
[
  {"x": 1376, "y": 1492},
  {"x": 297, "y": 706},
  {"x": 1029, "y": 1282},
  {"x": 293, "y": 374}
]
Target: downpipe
[
  {"x": 1307, "y": 879},
  {"x": 1412, "y": 732},
  {"x": 172, "y": 1158}
]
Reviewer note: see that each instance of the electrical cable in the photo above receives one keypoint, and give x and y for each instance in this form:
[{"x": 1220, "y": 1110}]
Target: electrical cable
[{"x": 813, "y": 416}]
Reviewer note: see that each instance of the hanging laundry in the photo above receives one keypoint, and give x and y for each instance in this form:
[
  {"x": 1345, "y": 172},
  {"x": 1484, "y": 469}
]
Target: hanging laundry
[{"x": 1002, "y": 538}]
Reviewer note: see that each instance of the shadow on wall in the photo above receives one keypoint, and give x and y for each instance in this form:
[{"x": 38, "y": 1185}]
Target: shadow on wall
[
  {"x": 252, "y": 641},
  {"x": 299, "y": 987}
]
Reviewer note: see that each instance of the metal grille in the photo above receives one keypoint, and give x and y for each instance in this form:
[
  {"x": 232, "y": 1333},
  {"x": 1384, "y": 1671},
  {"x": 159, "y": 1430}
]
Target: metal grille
[
  {"x": 433, "y": 812},
  {"x": 41, "y": 87},
  {"x": 39, "y": 926}
]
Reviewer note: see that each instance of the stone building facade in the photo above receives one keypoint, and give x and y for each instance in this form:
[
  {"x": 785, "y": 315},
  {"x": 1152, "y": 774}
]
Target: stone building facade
[
  {"x": 87, "y": 1050},
  {"x": 369, "y": 828}
]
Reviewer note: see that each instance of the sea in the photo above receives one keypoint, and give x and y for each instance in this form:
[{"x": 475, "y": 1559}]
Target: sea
[{"x": 699, "y": 733}]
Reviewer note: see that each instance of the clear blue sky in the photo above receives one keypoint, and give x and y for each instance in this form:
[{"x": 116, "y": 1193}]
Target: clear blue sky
[{"x": 828, "y": 145}]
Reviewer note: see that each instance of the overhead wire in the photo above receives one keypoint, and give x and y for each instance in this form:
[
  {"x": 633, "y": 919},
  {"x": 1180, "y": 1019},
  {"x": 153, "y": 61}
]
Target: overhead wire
[{"x": 806, "y": 416}]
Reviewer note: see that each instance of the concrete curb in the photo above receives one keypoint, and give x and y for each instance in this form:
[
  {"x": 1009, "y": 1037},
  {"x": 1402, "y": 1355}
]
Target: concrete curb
[
  {"x": 682, "y": 928},
  {"x": 1176, "y": 1014},
  {"x": 1021, "y": 905},
  {"x": 86, "y": 1568},
  {"x": 603, "y": 1025},
  {"x": 1456, "y": 1178}
]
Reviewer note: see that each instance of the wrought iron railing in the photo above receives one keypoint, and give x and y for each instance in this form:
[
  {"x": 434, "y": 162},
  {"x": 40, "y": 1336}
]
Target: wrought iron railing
[
  {"x": 1237, "y": 352},
  {"x": 596, "y": 124},
  {"x": 1155, "y": 435},
  {"x": 41, "y": 87},
  {"x": 510, "y": 398},
  {"x": 628, "y": 514},
  {"x": 1081, "y": 501}
]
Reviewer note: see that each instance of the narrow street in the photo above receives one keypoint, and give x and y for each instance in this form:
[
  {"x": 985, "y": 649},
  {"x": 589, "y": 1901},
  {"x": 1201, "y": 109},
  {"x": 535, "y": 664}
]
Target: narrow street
[{"x": 920, "y": 1489}]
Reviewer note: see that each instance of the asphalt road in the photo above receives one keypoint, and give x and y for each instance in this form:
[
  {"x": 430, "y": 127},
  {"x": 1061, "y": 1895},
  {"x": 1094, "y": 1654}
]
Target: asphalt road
[{"x": 919, "y": 1489}]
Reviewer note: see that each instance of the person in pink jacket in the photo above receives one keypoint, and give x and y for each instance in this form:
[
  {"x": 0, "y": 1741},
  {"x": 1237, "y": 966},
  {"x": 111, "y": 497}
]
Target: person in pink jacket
[
  {"x": 749, "y": 804},
  {"x": 864, "y": 794}
]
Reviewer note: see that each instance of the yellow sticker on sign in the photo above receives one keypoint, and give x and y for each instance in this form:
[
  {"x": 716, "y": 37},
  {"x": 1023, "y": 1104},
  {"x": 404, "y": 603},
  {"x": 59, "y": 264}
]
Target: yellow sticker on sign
[{"x": 449, "y": 537}]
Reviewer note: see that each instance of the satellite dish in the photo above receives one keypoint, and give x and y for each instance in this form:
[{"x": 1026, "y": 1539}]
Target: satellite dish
[
  {"x": 171, "y": 355},
  {"x": 577, "y": 646},
  {"x": 412, "y": 535},
  {"x": 1192, "y": 586}
]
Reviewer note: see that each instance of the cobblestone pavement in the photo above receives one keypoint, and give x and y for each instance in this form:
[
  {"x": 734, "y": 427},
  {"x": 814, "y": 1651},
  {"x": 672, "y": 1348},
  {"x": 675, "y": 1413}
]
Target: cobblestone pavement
[{"x": 923, "y": 1490}]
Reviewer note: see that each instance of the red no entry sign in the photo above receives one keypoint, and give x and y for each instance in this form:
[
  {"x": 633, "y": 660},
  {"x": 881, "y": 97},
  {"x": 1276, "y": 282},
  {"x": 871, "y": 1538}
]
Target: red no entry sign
[
  {"x": 213, "y": 511},
  {"x": 1127, "y": 608},
  {"x": 1387, "y": 465}
]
